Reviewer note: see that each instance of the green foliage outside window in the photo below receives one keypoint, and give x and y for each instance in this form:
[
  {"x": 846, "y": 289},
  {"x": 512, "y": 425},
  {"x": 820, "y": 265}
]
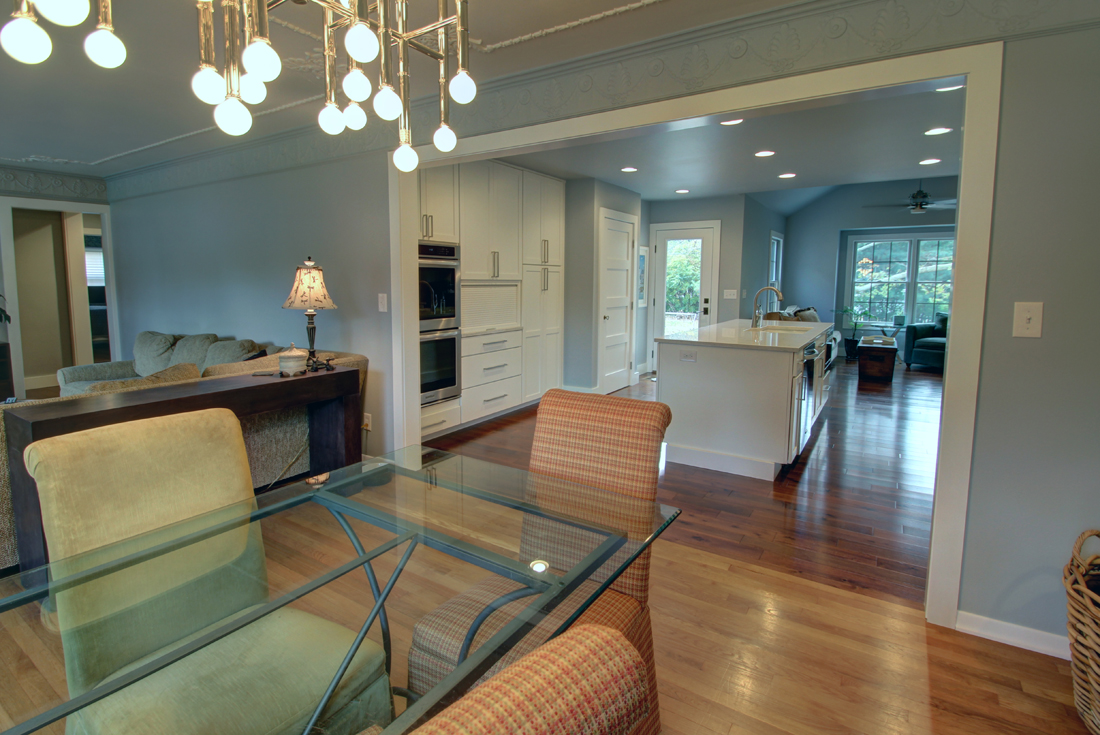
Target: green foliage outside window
[{"x": 684, "y": 266}]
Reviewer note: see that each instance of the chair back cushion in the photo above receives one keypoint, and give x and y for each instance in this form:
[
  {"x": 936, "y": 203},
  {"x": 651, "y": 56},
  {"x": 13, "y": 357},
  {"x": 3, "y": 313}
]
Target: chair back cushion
[
  {"x": 940, "y": 324},
  {"x": 138, "y": 485},
  {"x": 588, "y": 681},
  {"x": 605, "y": 442},
  {"x": 153, "y": 352}
]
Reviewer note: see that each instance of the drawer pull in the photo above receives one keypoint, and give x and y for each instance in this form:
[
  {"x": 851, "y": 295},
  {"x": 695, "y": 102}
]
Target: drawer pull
[
  {"x": 495, "y": 398},
  {"x": 494, "y": 367},
  {"x": 437, "y": 423},
  {"x": 498, "y": 342}
]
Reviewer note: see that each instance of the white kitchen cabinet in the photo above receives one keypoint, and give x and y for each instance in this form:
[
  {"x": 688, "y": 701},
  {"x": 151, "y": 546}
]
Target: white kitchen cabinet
[
  {"x": 543, "y": 318},
  {"x": 543, "y": 219},
  {"x": 440, "y": 417},
  {"x": 440, "y": 211},
  {"x": 491, "y": 211},
  {"x": 490, "y": 398}
]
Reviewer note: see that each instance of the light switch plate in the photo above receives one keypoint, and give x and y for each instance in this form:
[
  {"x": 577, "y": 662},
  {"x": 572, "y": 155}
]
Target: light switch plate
[
  {"x": 1027, "y": 319},
  {"x": 383, "y": 302},
  {"x": 689, "y": 355},
  {"x": 729, "y": 293}
]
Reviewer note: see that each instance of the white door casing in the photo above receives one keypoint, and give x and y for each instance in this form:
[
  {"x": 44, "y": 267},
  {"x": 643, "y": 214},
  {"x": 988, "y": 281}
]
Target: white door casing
[
  {"x": 615, "y": 299},
  {"x": 710, "y": 232}
]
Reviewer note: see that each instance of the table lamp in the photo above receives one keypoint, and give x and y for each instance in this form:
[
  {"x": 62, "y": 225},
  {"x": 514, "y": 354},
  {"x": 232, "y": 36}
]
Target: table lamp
[{"x": 308, "y": 292}]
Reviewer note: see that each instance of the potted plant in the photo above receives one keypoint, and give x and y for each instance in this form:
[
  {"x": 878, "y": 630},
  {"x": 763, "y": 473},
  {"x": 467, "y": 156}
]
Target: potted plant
[{"x": 857, "y": 317}]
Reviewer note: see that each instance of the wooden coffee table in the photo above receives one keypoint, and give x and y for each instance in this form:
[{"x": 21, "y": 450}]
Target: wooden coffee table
[{"x": 877, "y": 356}]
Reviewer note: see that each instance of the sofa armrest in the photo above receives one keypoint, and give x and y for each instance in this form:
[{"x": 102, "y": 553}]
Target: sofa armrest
[
  {"x": 98, "y": 371},
  {"x": 913, "y": 332},
  {"x": 590, "y": 678}
]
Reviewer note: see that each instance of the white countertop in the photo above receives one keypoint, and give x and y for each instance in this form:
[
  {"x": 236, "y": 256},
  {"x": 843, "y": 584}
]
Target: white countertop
[{"x": 737, "y": 333}]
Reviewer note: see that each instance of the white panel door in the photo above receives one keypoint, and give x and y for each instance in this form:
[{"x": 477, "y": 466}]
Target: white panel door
[
  {"x": 553, "y": 219},
  {"x": 684, "y": 292},
  {"x": 534, "y": 251},
  {"x": 616, "y": 298}
]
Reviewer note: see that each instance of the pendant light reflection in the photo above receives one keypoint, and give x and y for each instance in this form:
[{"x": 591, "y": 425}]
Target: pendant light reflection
[
  {"x": 233, "y": 117},
  {"x": 105, "y": 49},
  {"x": 24, "y": 40}
]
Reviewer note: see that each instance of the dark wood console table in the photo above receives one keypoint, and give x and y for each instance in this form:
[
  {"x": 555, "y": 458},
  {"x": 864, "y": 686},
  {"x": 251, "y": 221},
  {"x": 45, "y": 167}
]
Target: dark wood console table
[{"x": 332, "y": 399}]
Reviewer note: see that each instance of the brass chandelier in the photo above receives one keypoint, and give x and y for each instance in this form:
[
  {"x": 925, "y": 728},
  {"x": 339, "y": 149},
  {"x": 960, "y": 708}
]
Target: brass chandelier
[
  {"x": 251, "y": 62},
  {"x": 26, "y": 41}
]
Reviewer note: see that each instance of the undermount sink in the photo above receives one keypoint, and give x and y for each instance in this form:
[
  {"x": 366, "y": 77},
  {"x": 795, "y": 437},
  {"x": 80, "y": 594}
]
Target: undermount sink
[{"x": 780, "y": 329}]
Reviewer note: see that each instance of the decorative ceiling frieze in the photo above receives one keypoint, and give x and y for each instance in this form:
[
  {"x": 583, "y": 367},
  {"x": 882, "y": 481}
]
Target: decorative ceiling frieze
[{"x": 40, "y": 185}]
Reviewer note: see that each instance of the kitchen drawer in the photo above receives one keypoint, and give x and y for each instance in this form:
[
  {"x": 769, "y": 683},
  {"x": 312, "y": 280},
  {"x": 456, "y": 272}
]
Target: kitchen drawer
[
  {"x": 491, "y": 342},
  {"x": 439, "y": 417},
  {"x": 489, "y": 366},
  {"x": 490, "y": 398}
]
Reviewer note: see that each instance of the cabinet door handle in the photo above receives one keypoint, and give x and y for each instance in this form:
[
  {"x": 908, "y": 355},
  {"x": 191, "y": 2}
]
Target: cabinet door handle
[
  {"x": 545, "y": 279},
  {"x": 495, "y": 367},
  {"x": 423, "y": 225},
  {"x": 431, "y": 225},
  {"x": 437, "y": 423},
  {"x": 496, "y": 264},
  {"x": 498, "y": 342},
  {"x": 545, "y": 251},
  {"x": 495, "y": 398}
]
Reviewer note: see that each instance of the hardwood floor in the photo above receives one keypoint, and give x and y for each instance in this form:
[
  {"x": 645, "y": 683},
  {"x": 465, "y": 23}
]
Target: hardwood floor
[{"x": 854, "y": 511}]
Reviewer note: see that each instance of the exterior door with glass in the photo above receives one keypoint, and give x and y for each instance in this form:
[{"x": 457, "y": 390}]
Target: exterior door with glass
[{"x": 685, "y": 276}]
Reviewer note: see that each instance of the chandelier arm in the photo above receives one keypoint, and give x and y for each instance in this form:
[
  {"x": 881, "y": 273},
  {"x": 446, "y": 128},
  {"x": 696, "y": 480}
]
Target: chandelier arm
[
  {"x": 23, "y": 9},
  {"x": 385, "y": 72},
  {"x": 444, "y": 69},
  {"x": 463, "y": 35},
  {"x": 207, "y": 58},
  {"x": 231, "y": 13},
  {"x": 441, "y": 23},
  {"x": 404, "y": 129},
  {"x": 426, "y": 50},
  {"x": 330, "y": 59}
]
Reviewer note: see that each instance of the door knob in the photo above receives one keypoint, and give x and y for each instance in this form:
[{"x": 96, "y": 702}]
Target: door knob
[{"x": 606, "y": 317}]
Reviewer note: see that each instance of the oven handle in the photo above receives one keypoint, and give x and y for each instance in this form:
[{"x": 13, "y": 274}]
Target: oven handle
[
  {"x": 432, "y": 336},
  {"x": 447, "y": 263}
]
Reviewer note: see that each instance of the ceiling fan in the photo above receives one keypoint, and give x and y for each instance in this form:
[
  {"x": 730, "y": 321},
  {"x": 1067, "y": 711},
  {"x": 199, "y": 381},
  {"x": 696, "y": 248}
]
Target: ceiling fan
[{"x": 919, "y": 202}]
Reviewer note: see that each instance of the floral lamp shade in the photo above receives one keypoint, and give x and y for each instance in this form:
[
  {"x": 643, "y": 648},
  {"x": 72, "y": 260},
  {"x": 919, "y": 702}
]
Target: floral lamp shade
[{"x": 308, "y": 291}]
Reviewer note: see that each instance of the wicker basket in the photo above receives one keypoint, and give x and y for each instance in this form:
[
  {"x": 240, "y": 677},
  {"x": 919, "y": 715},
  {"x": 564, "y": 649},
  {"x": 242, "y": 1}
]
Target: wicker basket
[{"x": 1082, "y": 580}]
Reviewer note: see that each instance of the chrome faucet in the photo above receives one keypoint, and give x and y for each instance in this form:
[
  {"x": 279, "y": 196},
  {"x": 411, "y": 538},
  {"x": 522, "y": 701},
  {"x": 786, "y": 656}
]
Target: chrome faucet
[{"x": 757, "y": 314}]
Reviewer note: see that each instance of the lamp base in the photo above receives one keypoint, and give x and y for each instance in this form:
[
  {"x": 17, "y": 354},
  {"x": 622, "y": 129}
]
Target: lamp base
[{"x": 311, "y": 333}]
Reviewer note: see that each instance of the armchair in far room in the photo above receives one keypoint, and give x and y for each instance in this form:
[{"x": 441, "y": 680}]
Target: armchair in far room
[{"x": 926, "y": 344}]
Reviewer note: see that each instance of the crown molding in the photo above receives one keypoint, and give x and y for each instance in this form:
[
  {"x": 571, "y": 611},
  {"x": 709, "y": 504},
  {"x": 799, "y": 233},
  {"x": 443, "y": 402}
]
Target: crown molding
[
  {"x": 21, "y": 182},
  {"x": 797, "y": 39}
]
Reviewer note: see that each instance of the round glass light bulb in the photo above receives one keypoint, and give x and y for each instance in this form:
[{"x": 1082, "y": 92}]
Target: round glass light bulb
[
  {"x": 25, "y": 41},
  {"x": 387, "y": 103},
  {"x": 354, "y": 116},
  {"x": 260, "y": 59},
  {"x": 253, "y": 91},
  {"x": 356, "y": 86},
  {"x": 105, "y": 49},
  {"x": 463, "y": 88},
  {"x": 405, "y": 158},
  {"x": 64, "y": 12},
  {"x": 208, "y": 85},
  {"x": 233, "y": 117},
  {"x": 445, "y": 139},
  {"x": 361, "y": 42},
  {"x": 331, "y": 119}
]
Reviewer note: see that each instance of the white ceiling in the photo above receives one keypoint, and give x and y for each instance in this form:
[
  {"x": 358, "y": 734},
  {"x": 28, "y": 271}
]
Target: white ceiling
[
  {"x": 862, "y": 140},
  {"x": 68, "y": 115}
]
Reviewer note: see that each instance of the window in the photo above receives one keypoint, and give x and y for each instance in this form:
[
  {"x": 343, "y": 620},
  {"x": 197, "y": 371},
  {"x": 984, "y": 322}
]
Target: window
[
  {"x": 775, "y": 271},
  {"x": 906, "y": 276}
]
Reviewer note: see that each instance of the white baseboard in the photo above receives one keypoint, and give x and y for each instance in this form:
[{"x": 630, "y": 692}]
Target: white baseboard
[
  {"x": 578, "y": 389},
  {"x": 31, "y": 382},
  {"x": 1014, "y": 635},
  {"x": 730, "y": 463}
]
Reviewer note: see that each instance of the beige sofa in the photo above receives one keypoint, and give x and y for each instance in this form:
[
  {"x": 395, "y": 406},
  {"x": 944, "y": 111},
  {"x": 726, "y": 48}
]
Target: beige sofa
[{"x": 272, "y": 440}]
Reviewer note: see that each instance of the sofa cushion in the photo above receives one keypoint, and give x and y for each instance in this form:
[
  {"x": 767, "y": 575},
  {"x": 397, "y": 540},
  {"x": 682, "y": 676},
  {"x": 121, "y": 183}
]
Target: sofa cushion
[
  {"x": 938, "y": 344},
  {"x": 153, "y": 352},
  {"x": 192, "y": 348},
  {"x": 173, "y": 374},
  {"x": 228, "y": 350},
  {"x": 939, "y": 328},
  {"x": 809, "y": 314}
]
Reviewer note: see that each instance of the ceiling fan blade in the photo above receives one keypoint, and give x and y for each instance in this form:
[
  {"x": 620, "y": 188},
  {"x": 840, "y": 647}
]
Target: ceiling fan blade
[
  {"x": 891, "y": 206},
  {"x": 943, "y": 204}
]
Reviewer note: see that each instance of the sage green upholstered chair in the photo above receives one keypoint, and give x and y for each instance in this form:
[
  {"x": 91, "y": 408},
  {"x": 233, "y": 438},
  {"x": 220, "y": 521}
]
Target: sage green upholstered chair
[{"x": 135, "y": 485}]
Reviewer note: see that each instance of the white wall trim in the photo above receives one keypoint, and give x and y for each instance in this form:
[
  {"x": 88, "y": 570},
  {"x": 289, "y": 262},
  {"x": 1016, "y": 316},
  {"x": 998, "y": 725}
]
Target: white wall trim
[
  {"x": 1014, "y": 635},
  {"x": 982, "y": 66},
  {"x": 582, "y": 389},
  {"x": 11, "y": 290},
  {"x": 31, "y": 382}
]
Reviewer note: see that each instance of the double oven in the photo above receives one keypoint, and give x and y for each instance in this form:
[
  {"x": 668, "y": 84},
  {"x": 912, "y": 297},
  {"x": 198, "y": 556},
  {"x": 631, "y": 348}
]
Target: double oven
[{"x": 440, "y": 337}]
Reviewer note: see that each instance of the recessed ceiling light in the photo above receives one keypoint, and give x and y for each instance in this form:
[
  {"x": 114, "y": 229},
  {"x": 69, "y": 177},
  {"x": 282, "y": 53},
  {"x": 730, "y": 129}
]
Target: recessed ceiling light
[
  {"x": 764, "y": 154},
  {"x": 950, "y": 89},
  {"x": 787, "y": 176},
  {"x": 681, "y": 191},
  {"x": 937, "y": 131},
  {"x": 732, "y": 122},
  {"x": 929, "y": 161},
  {"x": 629, "y": 170}
]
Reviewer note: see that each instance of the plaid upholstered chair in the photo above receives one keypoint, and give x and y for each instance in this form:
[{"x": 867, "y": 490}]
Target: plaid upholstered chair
[
  {"x": 118, "y": 490},
  {"x": 588, "y": 681},
  {"x": 598, "y": 441}
]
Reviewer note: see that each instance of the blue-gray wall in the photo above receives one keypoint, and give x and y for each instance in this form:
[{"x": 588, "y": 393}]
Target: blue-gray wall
[
  {"x": 1035, "y": 481},
  {"x": 760, "y": 222},
  {"x": 220, "y": 258}
]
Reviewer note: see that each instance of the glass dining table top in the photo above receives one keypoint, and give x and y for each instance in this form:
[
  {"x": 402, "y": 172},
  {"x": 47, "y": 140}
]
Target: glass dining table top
[{"x": 374, "y": 547}]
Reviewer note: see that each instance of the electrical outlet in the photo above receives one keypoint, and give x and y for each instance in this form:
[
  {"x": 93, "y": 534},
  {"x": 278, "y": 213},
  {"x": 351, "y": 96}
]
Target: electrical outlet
[
  {"x": 729, "y": 293},
  {"x": 1027, "y": 319},
  {"x": 689, "y": 355},
  {"x": 366, "y": 421},
  {"x": 383, "y": 302}
]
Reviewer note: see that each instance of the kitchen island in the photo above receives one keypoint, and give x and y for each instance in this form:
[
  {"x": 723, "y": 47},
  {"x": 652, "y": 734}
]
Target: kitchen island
[{"x": 743, "y": 399}]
